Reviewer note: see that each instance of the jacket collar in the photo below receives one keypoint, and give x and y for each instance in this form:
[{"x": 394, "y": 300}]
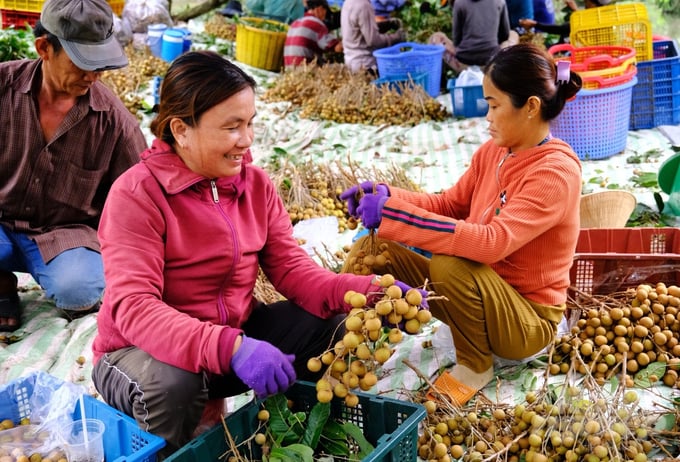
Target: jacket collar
[{"x": 174, "y": 176}]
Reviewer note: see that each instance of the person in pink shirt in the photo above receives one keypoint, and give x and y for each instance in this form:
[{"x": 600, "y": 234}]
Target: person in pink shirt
[{"x": 184, "y": 234}]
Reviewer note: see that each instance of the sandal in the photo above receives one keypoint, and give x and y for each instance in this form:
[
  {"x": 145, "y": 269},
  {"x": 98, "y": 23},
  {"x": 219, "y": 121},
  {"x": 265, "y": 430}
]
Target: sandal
[
  {"x": 456, "y": 392},
  {"x": 10, "y": 307}
]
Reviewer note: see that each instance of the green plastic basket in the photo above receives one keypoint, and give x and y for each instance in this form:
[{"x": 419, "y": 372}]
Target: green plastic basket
[{"x": 390, "y": 425}]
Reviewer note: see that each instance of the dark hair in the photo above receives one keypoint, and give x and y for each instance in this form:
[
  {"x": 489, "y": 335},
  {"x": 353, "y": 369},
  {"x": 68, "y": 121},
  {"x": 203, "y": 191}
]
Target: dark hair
[
  {"x": 195, "y": 82},
  {"x": 39, "y": 31},
  {"x": 525, "y": 70}
]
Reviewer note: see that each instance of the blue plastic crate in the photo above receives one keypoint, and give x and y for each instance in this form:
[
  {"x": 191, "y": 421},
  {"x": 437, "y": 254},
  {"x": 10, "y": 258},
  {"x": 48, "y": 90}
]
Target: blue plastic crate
[
  {"x": 390, "y": 425},
  {"x": 656, "y": 97},
  {"x": 124, "y": 441},
  {"x": 467, "y": 100},
  {"x": 397, "y": 82},
  {"x": 595, "y": 123},
  {"x": 412, "y": 58}
]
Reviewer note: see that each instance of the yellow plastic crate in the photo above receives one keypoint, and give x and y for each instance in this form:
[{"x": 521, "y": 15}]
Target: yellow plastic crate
[
  {"x": 116, "y": 6},
  {"x": 625, "y": 24},
  {"x": 258, "y": 45},
  {"x": 33, "y": 6}
]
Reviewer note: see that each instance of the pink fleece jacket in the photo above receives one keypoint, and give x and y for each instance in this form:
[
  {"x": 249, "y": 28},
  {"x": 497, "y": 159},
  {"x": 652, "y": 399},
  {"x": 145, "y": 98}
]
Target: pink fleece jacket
[
  {"x": 517, "y": 212},
  {"x": 181, "y": 255}
]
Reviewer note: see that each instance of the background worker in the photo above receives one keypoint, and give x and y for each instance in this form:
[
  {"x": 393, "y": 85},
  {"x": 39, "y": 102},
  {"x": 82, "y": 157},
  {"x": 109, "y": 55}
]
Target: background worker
[
  {"x": 503, "y": 236},
  {"x": 65, "y": 138},
  {"x": 308, "y": 38},
  {"x": 279, "y": 10},
  {"x": 361, "y": 36},
  {"x": 480, "y": 28}
]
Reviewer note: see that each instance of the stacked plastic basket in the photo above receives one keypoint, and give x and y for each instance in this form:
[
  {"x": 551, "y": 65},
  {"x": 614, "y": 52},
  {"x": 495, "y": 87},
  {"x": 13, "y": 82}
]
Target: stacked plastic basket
[
  {"x": 607, "y": 43},
  {"x": 595, "y": 123},
  {"x": 656, "y": 97}
]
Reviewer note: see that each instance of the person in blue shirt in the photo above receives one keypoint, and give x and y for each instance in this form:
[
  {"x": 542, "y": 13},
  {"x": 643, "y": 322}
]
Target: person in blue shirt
[
  {"x": 384, "y": 8},
  {"x": 519, "y": 9}
]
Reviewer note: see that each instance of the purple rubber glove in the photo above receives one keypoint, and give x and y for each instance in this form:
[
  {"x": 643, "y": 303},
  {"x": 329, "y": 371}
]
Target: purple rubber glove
[
  {"x": 370, "y": 209},
  {"x": 405, "y": 288},
  {"x": 263, "y": 367},
  {"x": 350, "y": 195}
]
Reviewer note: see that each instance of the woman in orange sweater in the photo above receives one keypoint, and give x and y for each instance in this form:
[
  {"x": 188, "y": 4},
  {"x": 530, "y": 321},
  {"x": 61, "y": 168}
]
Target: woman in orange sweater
[{"x": 503, "y": 237}]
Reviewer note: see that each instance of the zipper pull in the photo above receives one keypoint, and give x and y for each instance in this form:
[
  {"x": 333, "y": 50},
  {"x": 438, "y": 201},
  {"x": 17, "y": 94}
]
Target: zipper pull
[{"x": 213, "y": 186}]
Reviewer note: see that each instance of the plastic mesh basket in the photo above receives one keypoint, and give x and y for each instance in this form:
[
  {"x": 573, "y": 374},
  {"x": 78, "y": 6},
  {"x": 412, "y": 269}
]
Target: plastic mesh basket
[
  {"x": 412, "y": 58},
  {"x": 595, "y": 122},
  {"x": 18, "y": 19},
  {"x": 625, "y": 24},
  {"x": 33, "y": 6},
  {"x": 390, "y": 425},
  {"x": 656, "y": 97}
]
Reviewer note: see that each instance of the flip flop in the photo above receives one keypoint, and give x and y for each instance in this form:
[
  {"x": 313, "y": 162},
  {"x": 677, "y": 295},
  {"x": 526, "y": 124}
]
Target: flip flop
[
  {"x": 10, "y": 307},
  {"x": 458, "y": 393}
]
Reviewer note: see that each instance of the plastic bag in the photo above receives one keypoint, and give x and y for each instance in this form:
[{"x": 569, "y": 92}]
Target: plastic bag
[
  {"x": 48, "y": 402},
  {"x": 141, "y": 13},
  {"x": 122, "y": 30},
  {"x": 472, "y": 75}
]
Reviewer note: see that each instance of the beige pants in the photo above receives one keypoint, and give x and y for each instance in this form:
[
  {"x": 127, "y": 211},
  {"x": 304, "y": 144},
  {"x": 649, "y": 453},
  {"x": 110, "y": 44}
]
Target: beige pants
[{"x": 486, "y": 315}]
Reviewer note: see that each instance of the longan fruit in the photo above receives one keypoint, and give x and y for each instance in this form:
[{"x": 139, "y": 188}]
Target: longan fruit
[
  {"x": 393, "y": 292},
  {"x": 314, "y": 364},
  {"x": 260, "y": 438},
  {"x": 351, "y": 400},
  {"x": 414, "y": 297},
  {"x": 357, "y": 300},
  {"x": 263, "y": 415},
  {"x": 324, "y": 396},
  {"x": 386, "y": 280}
]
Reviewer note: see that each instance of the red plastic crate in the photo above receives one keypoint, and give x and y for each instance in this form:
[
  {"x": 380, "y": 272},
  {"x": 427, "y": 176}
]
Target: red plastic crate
[
  {"x": 610, "y": 260},
  {"x": 18, "y": 19}
]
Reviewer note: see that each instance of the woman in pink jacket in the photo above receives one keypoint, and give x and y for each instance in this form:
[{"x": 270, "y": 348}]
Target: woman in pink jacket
[{"x": 183, "y": 234}]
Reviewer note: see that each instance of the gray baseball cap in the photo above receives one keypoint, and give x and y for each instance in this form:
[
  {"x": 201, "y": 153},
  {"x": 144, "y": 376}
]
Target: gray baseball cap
[{"x": 85, "y": 30}]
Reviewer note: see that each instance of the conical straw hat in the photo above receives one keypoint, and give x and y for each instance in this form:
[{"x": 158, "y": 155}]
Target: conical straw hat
[{"x": 606, "y": 209}]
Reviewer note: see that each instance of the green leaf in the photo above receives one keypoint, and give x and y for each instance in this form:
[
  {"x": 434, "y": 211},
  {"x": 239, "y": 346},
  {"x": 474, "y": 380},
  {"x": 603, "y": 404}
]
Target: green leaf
[
  {"x": 365, "y": 448},
  {"x": 642, "y": 377},
  {"x": 614, "y": 384},
  {"x": 292, "y": 453},
  {"x": 665, "y": 422},
  {"x": 283, "y": 433},
  {"x": 336, "y": 448},
  {"x": 333, "y": 431},
  {"x": 318, "y": 417}
]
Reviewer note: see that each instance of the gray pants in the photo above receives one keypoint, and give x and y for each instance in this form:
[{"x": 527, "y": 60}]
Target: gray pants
[{"x": 168, "y": 401}]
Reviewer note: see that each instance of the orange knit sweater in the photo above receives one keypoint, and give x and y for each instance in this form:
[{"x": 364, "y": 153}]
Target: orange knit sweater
[{"x": 517, "y": 212}]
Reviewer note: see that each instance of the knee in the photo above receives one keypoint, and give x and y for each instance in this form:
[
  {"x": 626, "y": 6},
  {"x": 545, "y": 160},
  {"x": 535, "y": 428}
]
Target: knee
[{"x": 71, "y": 292}]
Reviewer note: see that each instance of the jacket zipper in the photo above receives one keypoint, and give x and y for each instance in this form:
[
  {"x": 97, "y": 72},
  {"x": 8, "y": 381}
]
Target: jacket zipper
[
  {"x": 498, "y": 180},
  {"x": 224, "y": 313}
]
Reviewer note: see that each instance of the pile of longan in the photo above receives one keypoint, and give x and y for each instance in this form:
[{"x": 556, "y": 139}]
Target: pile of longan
[
  {"x": 640, "y": 330},
  {"x": 580, "y": 424},
  {"x": 367, "y": 261},
  {"x": 19, "y": 441},
  {"x": 354, "y": 361}
]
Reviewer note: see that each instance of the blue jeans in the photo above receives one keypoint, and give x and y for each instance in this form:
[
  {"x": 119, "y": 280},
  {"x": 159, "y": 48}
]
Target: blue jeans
[{"x": 74, "y": 279}]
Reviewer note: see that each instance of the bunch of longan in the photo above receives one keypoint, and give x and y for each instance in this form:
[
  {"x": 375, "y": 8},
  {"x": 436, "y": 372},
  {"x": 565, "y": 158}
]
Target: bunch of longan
[
  {"x": 642, "y": 329},
  {"x": 368, "y": 261},
  {"x": 354, "y": 361}
]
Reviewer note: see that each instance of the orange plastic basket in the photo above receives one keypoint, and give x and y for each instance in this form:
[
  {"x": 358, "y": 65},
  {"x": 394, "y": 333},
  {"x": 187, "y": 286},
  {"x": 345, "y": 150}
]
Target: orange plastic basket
[
  {"x": 117, "y": 6},
  {"x": 585, "y": 59},
  {"x": 625, "y": 24},
  {"x": 594, "y": 82}
]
